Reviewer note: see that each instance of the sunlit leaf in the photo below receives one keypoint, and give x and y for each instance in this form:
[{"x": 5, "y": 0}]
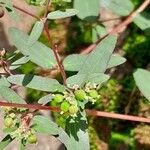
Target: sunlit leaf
[
  {"x": 36, "y": 82},
  {"x": 62, "y": 14},
  {"x": 120, "y": 7},
  {"x": 88, "y": 9},
  {"x": 10, "y": 96},
  {"x": 38, "y": 53},
  {"x": 44, "y": 125}
]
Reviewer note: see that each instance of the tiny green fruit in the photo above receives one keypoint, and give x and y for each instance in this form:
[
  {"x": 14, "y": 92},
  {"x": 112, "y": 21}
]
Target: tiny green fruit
[
  {"x": 8, "y": 122},
  {"x": 73, "y": 109},
  {"x": 93, "y": 93},
  {"x": 32, "y": 139},
  {"x": 80, "y": 95},
  {"x": 65, "y": 106},
  {"x": 58, "y": 98}
]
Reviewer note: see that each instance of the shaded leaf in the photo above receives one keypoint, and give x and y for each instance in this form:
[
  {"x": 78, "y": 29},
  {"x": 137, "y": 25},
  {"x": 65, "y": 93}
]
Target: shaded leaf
[
  {"x": 7, "y": 140},
  {"x": 36, "y": 32},
  {"x": 77, "y": 131},
  {"x": 36, "y": 82},
  {"x": 120, "y": 7},
  {"x": 142, "y": 79},
  {"x": 44, "y": 125},
  {"x": 62, "y": 14},
  {"x": 19, "y": 62},
  {"x": 38, "y": 53},
  {"x": 142, "y": 20},
  {"x": 10, "y": 96},
  {"x": 88, "y": 9},
  {"x": 11, "y": 10},
  {"x": 98, "y": 31}
]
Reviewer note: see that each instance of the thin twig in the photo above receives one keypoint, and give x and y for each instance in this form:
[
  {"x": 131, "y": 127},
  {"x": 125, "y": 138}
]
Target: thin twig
[
  {"x": 119, "y": 27},
  {"x": 26, "y": 12},
  {"x": 61, "y": 68}
]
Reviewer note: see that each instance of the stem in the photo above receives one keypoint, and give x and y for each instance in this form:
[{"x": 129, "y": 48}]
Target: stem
[
  {"x": 119, "y": 27},
  {"x": 29, "y": 106},
  {"x": 26, "y": 12},
  {"x": 117, "y": 116},
  {"x": 89, "y": 112},
  {"x": 61, "y": 67}
]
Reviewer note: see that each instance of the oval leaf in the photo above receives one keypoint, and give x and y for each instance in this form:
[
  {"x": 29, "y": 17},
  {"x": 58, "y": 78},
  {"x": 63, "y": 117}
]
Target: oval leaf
[
  {"x": 142, "y": 79},
  {"x": 36, "y": 82},
  {"x": 10, "y": 96},
  {"x": 62, "y": 14},
  {"x": 19, "y": 63},
  {"x": 88, "y": 9},
  {"x": 120, "y": 7},
  {"x": 35, "y": 33},
  {"x": 38, "y": 53},
  {"x": 142, "y": 20},
  {"x": 45, "y": 99},
  {"x": 97, "y": 61}
]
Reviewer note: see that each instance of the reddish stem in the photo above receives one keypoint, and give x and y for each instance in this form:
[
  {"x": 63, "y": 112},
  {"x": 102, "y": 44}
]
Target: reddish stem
[
  {"x": 119, "y": 27},
  {"x": 26, "y": 12},
  {"x": 117, "y": 116},
  {"x": 89, "y": 112}
]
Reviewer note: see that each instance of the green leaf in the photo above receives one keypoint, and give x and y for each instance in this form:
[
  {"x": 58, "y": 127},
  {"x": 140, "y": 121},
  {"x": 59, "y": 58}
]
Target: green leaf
[
  {"x": 74, "y": 62},
  {"x": 142, "y": 79},
  {"x": 36, "y": 32},
  {"x": 88, "y": 9},
  {"x": 7, "y": 140},
  {"x": 98, "y": 31},
  {"x": 18, "y": 63},
  {"x": 10, "y": 96},
  {"x": 142, "y": 20},
  {"x": 77, "y": 132},
  {"x": 97, "y": 61},
  {"x": 44, "y": 125},
  {"x": 4, "y": 82},
  {"x": 36, "y": 82},
  {"x": 45, "y": 99},
  {"x": 81, "y": 79},
  {"x": 11, "y": 11},
  {"x": 38, "y": 53},
  {"x": 116, "y": 60},
  {"x": 62, "y": 14},
  {"x": 22, "y": 146},
  {"x": 120, "y": 7}
]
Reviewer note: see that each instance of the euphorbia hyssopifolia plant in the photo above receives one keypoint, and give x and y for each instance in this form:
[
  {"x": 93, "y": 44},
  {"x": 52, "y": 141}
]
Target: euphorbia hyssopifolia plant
[{"x": 78, "y": 90}]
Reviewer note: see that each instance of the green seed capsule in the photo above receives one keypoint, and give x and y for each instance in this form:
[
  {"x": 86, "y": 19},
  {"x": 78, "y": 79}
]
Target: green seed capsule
[
  {"x": 73, "y": 109},
  {"x": 58, "y": 98},
  {"x": 80, "y": 95},
  {"x": 65, "y": 106},
  {"x": 32, "y": 139},
  {"x": 93, "y": 93},
  {"x": 8, "y": 122}
]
